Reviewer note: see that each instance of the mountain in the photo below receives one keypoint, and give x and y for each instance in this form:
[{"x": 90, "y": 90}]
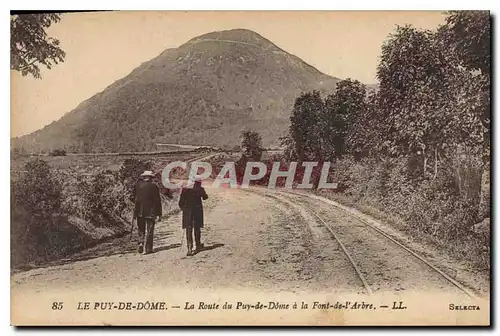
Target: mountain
[{"x": 205, "y": 92}]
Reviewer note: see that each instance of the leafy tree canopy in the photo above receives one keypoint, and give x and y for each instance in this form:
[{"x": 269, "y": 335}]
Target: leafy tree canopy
[
  {"x": 469, "y": 33},
  {"x": 30, "y": 46},
  {"x": 251, "y": 144}
]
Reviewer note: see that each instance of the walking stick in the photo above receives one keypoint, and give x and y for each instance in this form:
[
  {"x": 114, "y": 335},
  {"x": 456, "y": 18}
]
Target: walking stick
[
  {"x": 132, "y": 229},
  {"x": 182, "y": 238}
]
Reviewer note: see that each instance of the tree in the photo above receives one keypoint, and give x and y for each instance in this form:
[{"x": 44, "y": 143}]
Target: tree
[
  {"x": 251, "y": 145},
  {"x": 30, "y": 46},
  {"x": 434, "y": 96},
  {"x": 366, "y": 136},
  {"x": 306, "y": 130},
  {"x": 344, "y": 109},
  {"x": 418, "y": 95},
  {"x": 469, "y": 34}
]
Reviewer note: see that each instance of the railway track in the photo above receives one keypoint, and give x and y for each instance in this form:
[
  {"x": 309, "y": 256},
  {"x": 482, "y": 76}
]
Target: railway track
[{"x": 348, "y": 241}]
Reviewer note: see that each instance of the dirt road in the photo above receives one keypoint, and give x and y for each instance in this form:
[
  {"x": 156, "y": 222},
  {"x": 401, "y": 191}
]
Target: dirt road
[
  {"x": 253, "y": 240},
  {"x": 250, "y": 241}
]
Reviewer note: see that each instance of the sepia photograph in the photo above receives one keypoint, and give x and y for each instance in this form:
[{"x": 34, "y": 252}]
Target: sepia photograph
[{"x": 250, "y": 168}]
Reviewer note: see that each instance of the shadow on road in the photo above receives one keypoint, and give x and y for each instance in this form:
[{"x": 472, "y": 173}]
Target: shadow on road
[
  {"x": 166, "y": 247},
  {"x": 208, "y": 248},
  {"x": 117, "y": 246}
]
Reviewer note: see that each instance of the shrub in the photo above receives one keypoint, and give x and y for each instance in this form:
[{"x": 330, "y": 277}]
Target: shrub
[
  {"x": 37, "y": 189},
  {"x": 58, "y": 152},
  {"x": 39, "y": 230},
  {"x": 102, "y": 198},
  {"x": 129, "y": 172}
]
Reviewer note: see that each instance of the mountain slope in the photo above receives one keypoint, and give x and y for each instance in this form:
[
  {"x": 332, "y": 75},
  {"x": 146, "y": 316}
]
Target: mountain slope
[{"x": 206, "y": 91}]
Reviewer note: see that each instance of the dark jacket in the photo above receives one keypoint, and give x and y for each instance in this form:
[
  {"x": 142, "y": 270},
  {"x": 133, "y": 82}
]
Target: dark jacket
[
  {"x": 191, "y": 204},
  {"x": 147, "y": 200}
]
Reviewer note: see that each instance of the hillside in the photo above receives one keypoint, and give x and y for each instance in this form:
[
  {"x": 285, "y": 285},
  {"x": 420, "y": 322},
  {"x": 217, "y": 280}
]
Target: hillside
[{"x": 206, "y": 91}]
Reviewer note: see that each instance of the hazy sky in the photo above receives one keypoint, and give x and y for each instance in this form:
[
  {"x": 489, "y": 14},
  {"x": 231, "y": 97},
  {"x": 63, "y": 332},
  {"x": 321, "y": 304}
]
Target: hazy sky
[{"x": 103, "y": 47}]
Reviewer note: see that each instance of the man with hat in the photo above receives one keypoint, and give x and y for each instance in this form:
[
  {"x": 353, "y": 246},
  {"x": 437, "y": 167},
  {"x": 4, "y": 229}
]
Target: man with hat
[
  {"x": 147, "y": 209},
  {"x": 190, "y": 202}
]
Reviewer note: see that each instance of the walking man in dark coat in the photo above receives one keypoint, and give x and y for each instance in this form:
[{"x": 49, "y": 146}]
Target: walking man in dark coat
[
  {"x": 191, "y": 204},
  {"x": 147, "y": 209}
]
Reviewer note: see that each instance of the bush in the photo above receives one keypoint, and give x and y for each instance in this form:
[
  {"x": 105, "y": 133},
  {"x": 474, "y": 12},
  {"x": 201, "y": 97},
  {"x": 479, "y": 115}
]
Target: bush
[
  {"x": 56, "y": 214},
  {"x": 58, "y": 152},
  {"x": 39, "y": 231},
  {"x": 129, "y": 173},
  {"x": 102, "y": 198},
  {"x": 37, "y": 190}
]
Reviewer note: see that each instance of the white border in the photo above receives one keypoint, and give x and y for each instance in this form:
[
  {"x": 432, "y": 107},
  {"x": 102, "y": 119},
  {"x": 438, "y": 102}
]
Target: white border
[
  {"x": 194, "y": 5},
  {"x": 253, "y": 5}
]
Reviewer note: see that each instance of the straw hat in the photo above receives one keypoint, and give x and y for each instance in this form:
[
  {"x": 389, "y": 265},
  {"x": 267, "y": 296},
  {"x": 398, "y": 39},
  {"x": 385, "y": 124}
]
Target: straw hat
[{"x": 148, "y": 173}]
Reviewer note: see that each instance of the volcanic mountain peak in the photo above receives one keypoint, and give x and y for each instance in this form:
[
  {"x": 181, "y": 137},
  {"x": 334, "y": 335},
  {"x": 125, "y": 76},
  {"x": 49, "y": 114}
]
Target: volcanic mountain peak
[
  {"x": 206, "y": 91},
  {"x": 240, "y": 35}
]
